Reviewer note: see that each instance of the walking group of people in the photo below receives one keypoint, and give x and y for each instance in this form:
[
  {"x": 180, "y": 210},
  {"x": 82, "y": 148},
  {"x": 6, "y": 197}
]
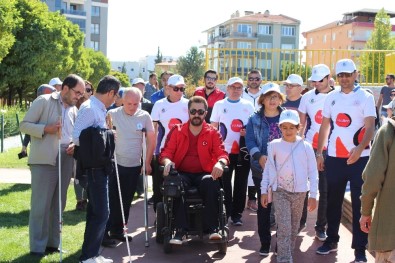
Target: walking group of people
[{"x": 283, "y": 150}]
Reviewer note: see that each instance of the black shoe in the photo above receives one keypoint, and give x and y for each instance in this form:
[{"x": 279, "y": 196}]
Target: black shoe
[
  {"x": 37, "y": 254},
  {"x": 120, "y": 237},
  {"x": 360, "y": 256},
  {"x": 178, "y": 238},
  {"x": 108, "y": 242},
  {"x": 327, "y": 248},
  {"x": 52, "y": 250},
  {"x": 150, "y": 200},
  {"x": 265, "y": 248}
]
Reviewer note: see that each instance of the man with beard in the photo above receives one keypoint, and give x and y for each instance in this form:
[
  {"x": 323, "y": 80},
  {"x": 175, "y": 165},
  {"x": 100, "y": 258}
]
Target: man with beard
[
  {"x": 45, "y": 128},
  {"x": 210, "y": 91},
  {"x": 186, "y": 143}
]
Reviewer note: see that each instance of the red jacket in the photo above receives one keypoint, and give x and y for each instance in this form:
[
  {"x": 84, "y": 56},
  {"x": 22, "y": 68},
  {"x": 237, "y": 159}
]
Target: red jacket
[
  {"x": 210, "y": 146},
  {"x": 214, "y": 96}
]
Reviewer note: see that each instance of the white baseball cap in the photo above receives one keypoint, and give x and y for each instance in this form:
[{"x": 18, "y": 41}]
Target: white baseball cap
[
  {"x": 137, "y": 80},
  {"x": 319, "y": 72},
  {"x": 389, "y": 105},
  {"x": 294, "y": 79},
  {"x": 345, "y": 65},
  {"x": 290, "y": 116},
  {"x": 176, "y": 80},
  {"x": 55, "y": 81},
  {"x": 234, "y": 80},
  {"x": 270, "y": 86}
]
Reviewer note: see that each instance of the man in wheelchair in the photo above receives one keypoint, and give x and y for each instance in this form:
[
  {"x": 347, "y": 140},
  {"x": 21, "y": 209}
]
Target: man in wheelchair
[{"x": 196, "y": 150}]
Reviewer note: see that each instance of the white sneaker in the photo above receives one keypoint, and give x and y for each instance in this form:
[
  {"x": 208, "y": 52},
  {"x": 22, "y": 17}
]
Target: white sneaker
[
  {"x": 101, "y": 259},
  {"x": 90, "y": 260}
]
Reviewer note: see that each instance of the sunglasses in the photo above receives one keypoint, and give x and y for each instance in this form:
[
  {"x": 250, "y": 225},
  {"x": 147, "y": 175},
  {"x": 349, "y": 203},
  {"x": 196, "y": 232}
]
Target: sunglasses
[
  {"x": 322, "y": 80},
  {"x": 88, "y": 90},
  {"x": 344, "y": 75},
  {"x": 178, "y": 89},
  {"x": 392, "y": 95},
  {"x": 199, "y": 111},
  {"x": 211, "y": 79},
  {"x": 252, "y": 79}
]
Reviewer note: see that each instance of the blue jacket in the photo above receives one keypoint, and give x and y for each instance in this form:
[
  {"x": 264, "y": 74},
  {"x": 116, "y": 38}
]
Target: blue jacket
[{"x": 257, "y": 139}]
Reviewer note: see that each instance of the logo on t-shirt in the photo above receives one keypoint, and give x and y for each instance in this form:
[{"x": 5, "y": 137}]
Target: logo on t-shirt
[
  {"x": 343, "y": 120},
  {"x": 318, "y": 117},
  {"x": 236, "y": 125},
  {"x": 358, "y": 137},
  {"x": 225, "y": 110}
]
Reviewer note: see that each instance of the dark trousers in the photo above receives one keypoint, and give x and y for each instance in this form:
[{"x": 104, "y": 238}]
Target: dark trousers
[
  {"x": 157, "y": 181},
  {"x": 321, "y": 222},
  {"x": 263, "y": 216},
  {"x": 128, "y": 178},
  {"x": 338, "y": 174},
  {"x": 235, "y": 200},
  {"x": 209, "y": 191},
  {"x": 96, "y": 214}
]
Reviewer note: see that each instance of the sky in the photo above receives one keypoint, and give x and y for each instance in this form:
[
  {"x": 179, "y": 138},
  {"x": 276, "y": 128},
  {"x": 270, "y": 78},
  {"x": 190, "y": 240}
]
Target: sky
[{"x": 136, "y": 28}]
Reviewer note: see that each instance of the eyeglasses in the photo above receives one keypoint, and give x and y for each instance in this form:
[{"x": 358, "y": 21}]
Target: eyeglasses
[
  {"x": 79, "y": 94},
  {"x": 322, "y": 80},
  {"x": 236, "y": 88},
  {"x": 252, "y": 79},
  {"x": 344, "y": 75},
  {"x": 88, "y": 90},
  {"x": 178, "y": 89},
  {"x": 392, "y": 95},
  {"x": 200, "y": 112},
  {"x": 211, "y": 79},
  {"x": 290, "y": 86},
  {"x": 273, "y": 97}
]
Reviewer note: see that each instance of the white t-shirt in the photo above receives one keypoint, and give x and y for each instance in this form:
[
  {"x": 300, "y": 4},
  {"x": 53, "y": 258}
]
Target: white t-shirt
[
  {"x": 312, "y": 104},
  {"x": 348, "y": 112},
  {"x": 231, "y": 118},
  {"x": 168, "y": 114},
  {"x": 129, "y": 141}
]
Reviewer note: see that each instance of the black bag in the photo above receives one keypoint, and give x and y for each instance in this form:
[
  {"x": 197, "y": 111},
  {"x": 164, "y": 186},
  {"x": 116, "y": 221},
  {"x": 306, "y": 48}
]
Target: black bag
[{"x": 172, "y": 186}]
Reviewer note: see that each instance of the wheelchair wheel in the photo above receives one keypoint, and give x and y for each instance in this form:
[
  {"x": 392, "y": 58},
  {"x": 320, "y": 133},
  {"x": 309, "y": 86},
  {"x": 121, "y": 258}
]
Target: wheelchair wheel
[
  {"x": 222, "y": 247},
  {"x": 160, "y": 222},
  {"x": 167, "y": 247}
]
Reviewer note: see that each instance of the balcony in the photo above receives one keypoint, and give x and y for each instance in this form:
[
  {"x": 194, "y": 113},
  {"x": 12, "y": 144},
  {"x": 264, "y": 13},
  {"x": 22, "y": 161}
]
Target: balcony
[{"x": 73, "y": 12}]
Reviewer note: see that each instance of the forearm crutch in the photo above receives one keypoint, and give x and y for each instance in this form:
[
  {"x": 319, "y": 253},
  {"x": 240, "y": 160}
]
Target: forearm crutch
[
  {"x": 125, "y": 229},
  {"x": 60, "y": 187},
  {"x": 145, "y": 187}
]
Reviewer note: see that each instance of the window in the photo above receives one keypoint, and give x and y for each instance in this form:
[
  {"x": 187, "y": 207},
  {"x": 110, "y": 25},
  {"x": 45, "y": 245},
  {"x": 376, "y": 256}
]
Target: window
[
  {"x": 333, "y": 36},
  {"x": 95, "y": 45},
  {"x": 262, "y": 45},
  {"x": 95, "y": 11},
  {"x": 288, "y": 31},
  {"x": 95, "y": 29},
  {"x": 324, "y": 39},
  {"x": 245, "y": 45},
  {"x": 349, "y": 33},
  {"x": 244, "y": 28},
  {"x": 264, "y": 63},
  {"x": 244, "y": 63},
  {"x": 285, "y": 48},
  {"x": 264, "y": 29},
  {"x": 311, "y": 41}
]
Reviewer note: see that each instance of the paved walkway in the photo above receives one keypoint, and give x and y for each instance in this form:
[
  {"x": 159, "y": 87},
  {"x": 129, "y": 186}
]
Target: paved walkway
[{"x": 242, "y": 246}]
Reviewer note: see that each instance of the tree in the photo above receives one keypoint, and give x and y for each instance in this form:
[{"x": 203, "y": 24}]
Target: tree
[
  {"x": 372, "y": 63},
  {"x": 191, "y": 67},
  {"x": 100, "y": 65},
  {"x": 122, "y": 77},
  {"x": 159, "y": 57},
  {"x": 123, "y": 69},
  {"x": 9, "y": 21}
]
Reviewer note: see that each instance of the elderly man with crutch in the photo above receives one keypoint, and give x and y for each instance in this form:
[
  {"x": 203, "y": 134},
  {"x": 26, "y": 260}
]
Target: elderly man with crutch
[
  {"x": 131, "y": 123},
  {"x": 49, "y": 114}
]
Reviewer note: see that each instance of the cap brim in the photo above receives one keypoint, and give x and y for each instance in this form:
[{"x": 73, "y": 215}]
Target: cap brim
[{"x": 290, "y": 121}]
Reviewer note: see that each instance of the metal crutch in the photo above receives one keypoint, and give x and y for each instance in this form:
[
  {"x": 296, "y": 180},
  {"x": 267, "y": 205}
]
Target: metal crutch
[
  {"x": 143, "y": 130},
  {"x": 125, "y": 229},
  {"x": 60, "y": 188}
]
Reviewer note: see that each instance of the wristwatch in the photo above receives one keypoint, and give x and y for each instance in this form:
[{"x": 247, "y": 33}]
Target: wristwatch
[
  {"x": 319, "y": 155},
  {"x": 222, "y": 163}
]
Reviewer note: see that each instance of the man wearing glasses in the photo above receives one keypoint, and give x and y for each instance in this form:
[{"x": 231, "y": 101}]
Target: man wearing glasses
[
  {"x": 50, "y": 116},
  {"x": 352, "y": 112},
  {"x": 166, "y": 113},
  {"x": 210, "y": 91},
  {"x": 385, "y": 93},
  {"x": 230, "y": 116},
  {"x": 185, "y": 144},
  {"x": 310, "y": 107}
]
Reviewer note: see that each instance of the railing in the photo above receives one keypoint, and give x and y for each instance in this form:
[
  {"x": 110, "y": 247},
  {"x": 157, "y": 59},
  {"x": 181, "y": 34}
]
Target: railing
[
  {"x": 73, "y": 12},
  {"x": 276, "y": 64}
]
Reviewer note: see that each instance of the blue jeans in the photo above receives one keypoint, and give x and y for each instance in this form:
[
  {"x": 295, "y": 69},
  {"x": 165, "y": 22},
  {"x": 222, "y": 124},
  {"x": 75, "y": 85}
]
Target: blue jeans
[
  {"x": 338, "y": 174},
  {"x": 97, "y": 213},
  {"x": 263, "y": 215}
]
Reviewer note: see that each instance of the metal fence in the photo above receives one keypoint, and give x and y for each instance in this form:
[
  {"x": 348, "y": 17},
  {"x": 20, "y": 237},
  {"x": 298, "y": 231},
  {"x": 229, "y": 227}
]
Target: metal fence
[{"x": 276, "y": 64}]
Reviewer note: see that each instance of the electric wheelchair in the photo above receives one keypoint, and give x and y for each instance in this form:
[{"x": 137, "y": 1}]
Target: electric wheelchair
[{"x": 172, "y": 188}]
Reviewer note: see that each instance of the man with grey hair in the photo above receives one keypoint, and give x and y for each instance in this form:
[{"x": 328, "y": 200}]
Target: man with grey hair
[{"x": 130, "y": 123}]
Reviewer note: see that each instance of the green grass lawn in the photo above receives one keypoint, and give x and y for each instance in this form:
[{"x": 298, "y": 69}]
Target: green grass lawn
[
  {"x": 9, "y": 159},
  {"x": 14, "y": 231}
]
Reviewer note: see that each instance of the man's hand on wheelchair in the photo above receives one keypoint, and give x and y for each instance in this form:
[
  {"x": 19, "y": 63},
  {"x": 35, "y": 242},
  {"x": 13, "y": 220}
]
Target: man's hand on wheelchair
[
  {"x": 167, "y": 167},
  {"x": 218, "y": 170}
]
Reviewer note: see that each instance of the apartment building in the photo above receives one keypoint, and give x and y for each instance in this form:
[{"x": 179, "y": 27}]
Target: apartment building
[
  {"x": 90, "y": 15},
  {"x": 350, "y": 33},
  {"x": 254, "y": 35}
]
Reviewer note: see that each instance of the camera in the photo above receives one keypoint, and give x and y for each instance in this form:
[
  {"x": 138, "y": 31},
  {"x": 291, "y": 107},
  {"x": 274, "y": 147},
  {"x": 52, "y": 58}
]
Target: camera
[{"x": 22, "y": 155}]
